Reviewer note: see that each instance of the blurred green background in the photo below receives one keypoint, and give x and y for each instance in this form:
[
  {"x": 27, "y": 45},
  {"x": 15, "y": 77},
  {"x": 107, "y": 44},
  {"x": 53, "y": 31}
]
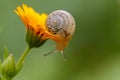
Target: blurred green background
[{"x": 93, "y": 53}]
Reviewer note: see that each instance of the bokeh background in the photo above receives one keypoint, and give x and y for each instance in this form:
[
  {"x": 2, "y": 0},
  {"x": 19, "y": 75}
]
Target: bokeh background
[{"x": 93, "y": 52}]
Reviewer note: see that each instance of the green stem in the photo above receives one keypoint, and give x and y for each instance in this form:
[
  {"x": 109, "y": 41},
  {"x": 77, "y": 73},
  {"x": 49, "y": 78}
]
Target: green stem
[{"x": 23, "y": 56}]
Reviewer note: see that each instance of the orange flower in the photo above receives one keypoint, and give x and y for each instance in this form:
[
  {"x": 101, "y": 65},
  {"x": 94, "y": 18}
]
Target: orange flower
[
  {"x": 37, "y": 32},
  {"x": 36, "y": 29},
  {"x": 35, "y": 25}
]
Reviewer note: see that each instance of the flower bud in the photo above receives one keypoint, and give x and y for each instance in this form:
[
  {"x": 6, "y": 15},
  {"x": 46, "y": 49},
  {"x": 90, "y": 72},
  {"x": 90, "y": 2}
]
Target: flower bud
[{"x": 8, "y": 68}]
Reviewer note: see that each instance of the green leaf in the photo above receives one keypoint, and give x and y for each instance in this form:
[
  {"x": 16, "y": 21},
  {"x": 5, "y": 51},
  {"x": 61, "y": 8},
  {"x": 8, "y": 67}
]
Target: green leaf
[{"x": 6, "y": 53}]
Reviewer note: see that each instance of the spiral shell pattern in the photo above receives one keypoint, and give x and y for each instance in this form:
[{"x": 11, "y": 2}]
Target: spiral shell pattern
[{"x": 61, "y": 22}]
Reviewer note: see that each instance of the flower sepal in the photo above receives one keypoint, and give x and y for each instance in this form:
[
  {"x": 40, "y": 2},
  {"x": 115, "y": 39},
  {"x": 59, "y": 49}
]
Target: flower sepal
[
  {"x": 8, "y": 68},
  {"x": 34, "y": 39}
]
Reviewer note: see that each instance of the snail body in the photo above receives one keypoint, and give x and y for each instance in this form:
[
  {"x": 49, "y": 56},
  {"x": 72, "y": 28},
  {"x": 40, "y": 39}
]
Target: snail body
[{"x": 61, "y": 23}]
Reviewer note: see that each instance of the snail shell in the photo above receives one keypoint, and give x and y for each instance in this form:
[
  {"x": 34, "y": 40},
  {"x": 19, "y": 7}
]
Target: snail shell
[{"x": 61, "y": 22}]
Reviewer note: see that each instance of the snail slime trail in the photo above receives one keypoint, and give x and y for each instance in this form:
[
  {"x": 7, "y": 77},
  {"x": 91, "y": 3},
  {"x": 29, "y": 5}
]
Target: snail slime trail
[{"x": 61, "y": 23}]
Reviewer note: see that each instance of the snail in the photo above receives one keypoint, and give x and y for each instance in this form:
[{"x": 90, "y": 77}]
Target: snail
[{"x": 62, "y": 23}]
